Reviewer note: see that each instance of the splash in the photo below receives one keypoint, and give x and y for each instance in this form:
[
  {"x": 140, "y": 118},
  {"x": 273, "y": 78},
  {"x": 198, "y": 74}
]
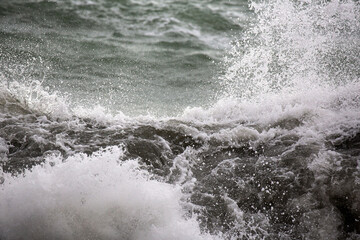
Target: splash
[
  {"x": 295, "y": 45},
  {"x": 279, "y": 160},
  {"x": 93, "y": 197},
  {"x": 35, "y": 98}
]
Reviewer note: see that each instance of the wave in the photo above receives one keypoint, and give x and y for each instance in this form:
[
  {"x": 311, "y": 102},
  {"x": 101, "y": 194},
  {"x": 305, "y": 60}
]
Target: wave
[
  {"x": 276, "y": 157},
  {"x": 94, "y": 197}
]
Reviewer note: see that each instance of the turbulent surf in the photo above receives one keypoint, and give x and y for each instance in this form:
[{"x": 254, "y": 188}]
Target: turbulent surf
[{"x": 175, "y": 120}]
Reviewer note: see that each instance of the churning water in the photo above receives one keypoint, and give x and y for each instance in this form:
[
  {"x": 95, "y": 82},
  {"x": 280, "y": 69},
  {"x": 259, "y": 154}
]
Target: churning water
[{"x": 168, "y": 119}]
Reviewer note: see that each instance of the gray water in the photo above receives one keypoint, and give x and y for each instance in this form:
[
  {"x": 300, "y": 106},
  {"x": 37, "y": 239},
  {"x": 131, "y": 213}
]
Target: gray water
[
  {"x": 123, "y": 55},
  {"x": 179, "y": 120}
]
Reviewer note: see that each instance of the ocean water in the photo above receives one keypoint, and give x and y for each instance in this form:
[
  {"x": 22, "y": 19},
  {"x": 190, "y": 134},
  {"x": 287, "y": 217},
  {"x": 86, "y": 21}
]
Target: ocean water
[{"x": 179, "y": 120}]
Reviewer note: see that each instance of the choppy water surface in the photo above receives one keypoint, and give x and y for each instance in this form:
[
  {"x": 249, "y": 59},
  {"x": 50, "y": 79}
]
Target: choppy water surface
[{"x": 175, "y": 120}]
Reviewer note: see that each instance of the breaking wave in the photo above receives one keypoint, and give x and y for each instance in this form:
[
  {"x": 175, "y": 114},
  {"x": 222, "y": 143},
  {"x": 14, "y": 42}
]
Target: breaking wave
[{"x": 277, "y": 157}]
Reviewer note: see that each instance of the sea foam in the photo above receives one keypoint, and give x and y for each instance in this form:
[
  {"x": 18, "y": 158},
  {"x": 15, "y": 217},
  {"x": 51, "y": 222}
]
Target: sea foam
[{"x": 92, "y": 197}]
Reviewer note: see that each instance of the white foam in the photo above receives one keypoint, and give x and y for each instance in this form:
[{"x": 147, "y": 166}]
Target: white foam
[
  {"x": 4, "y": 149},
  {"x": 34, "y": 97},
  {"x": 92, "y": 197},
  {"x": 100, "y": 114}
]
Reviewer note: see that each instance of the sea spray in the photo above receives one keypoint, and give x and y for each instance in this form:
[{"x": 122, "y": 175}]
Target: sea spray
[
  {"x": 295, "y": 46},
  {"x": 275, "y": 158}
]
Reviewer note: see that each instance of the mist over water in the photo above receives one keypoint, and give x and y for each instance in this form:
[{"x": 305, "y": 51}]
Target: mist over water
[{"x": 176, "y": 120}]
